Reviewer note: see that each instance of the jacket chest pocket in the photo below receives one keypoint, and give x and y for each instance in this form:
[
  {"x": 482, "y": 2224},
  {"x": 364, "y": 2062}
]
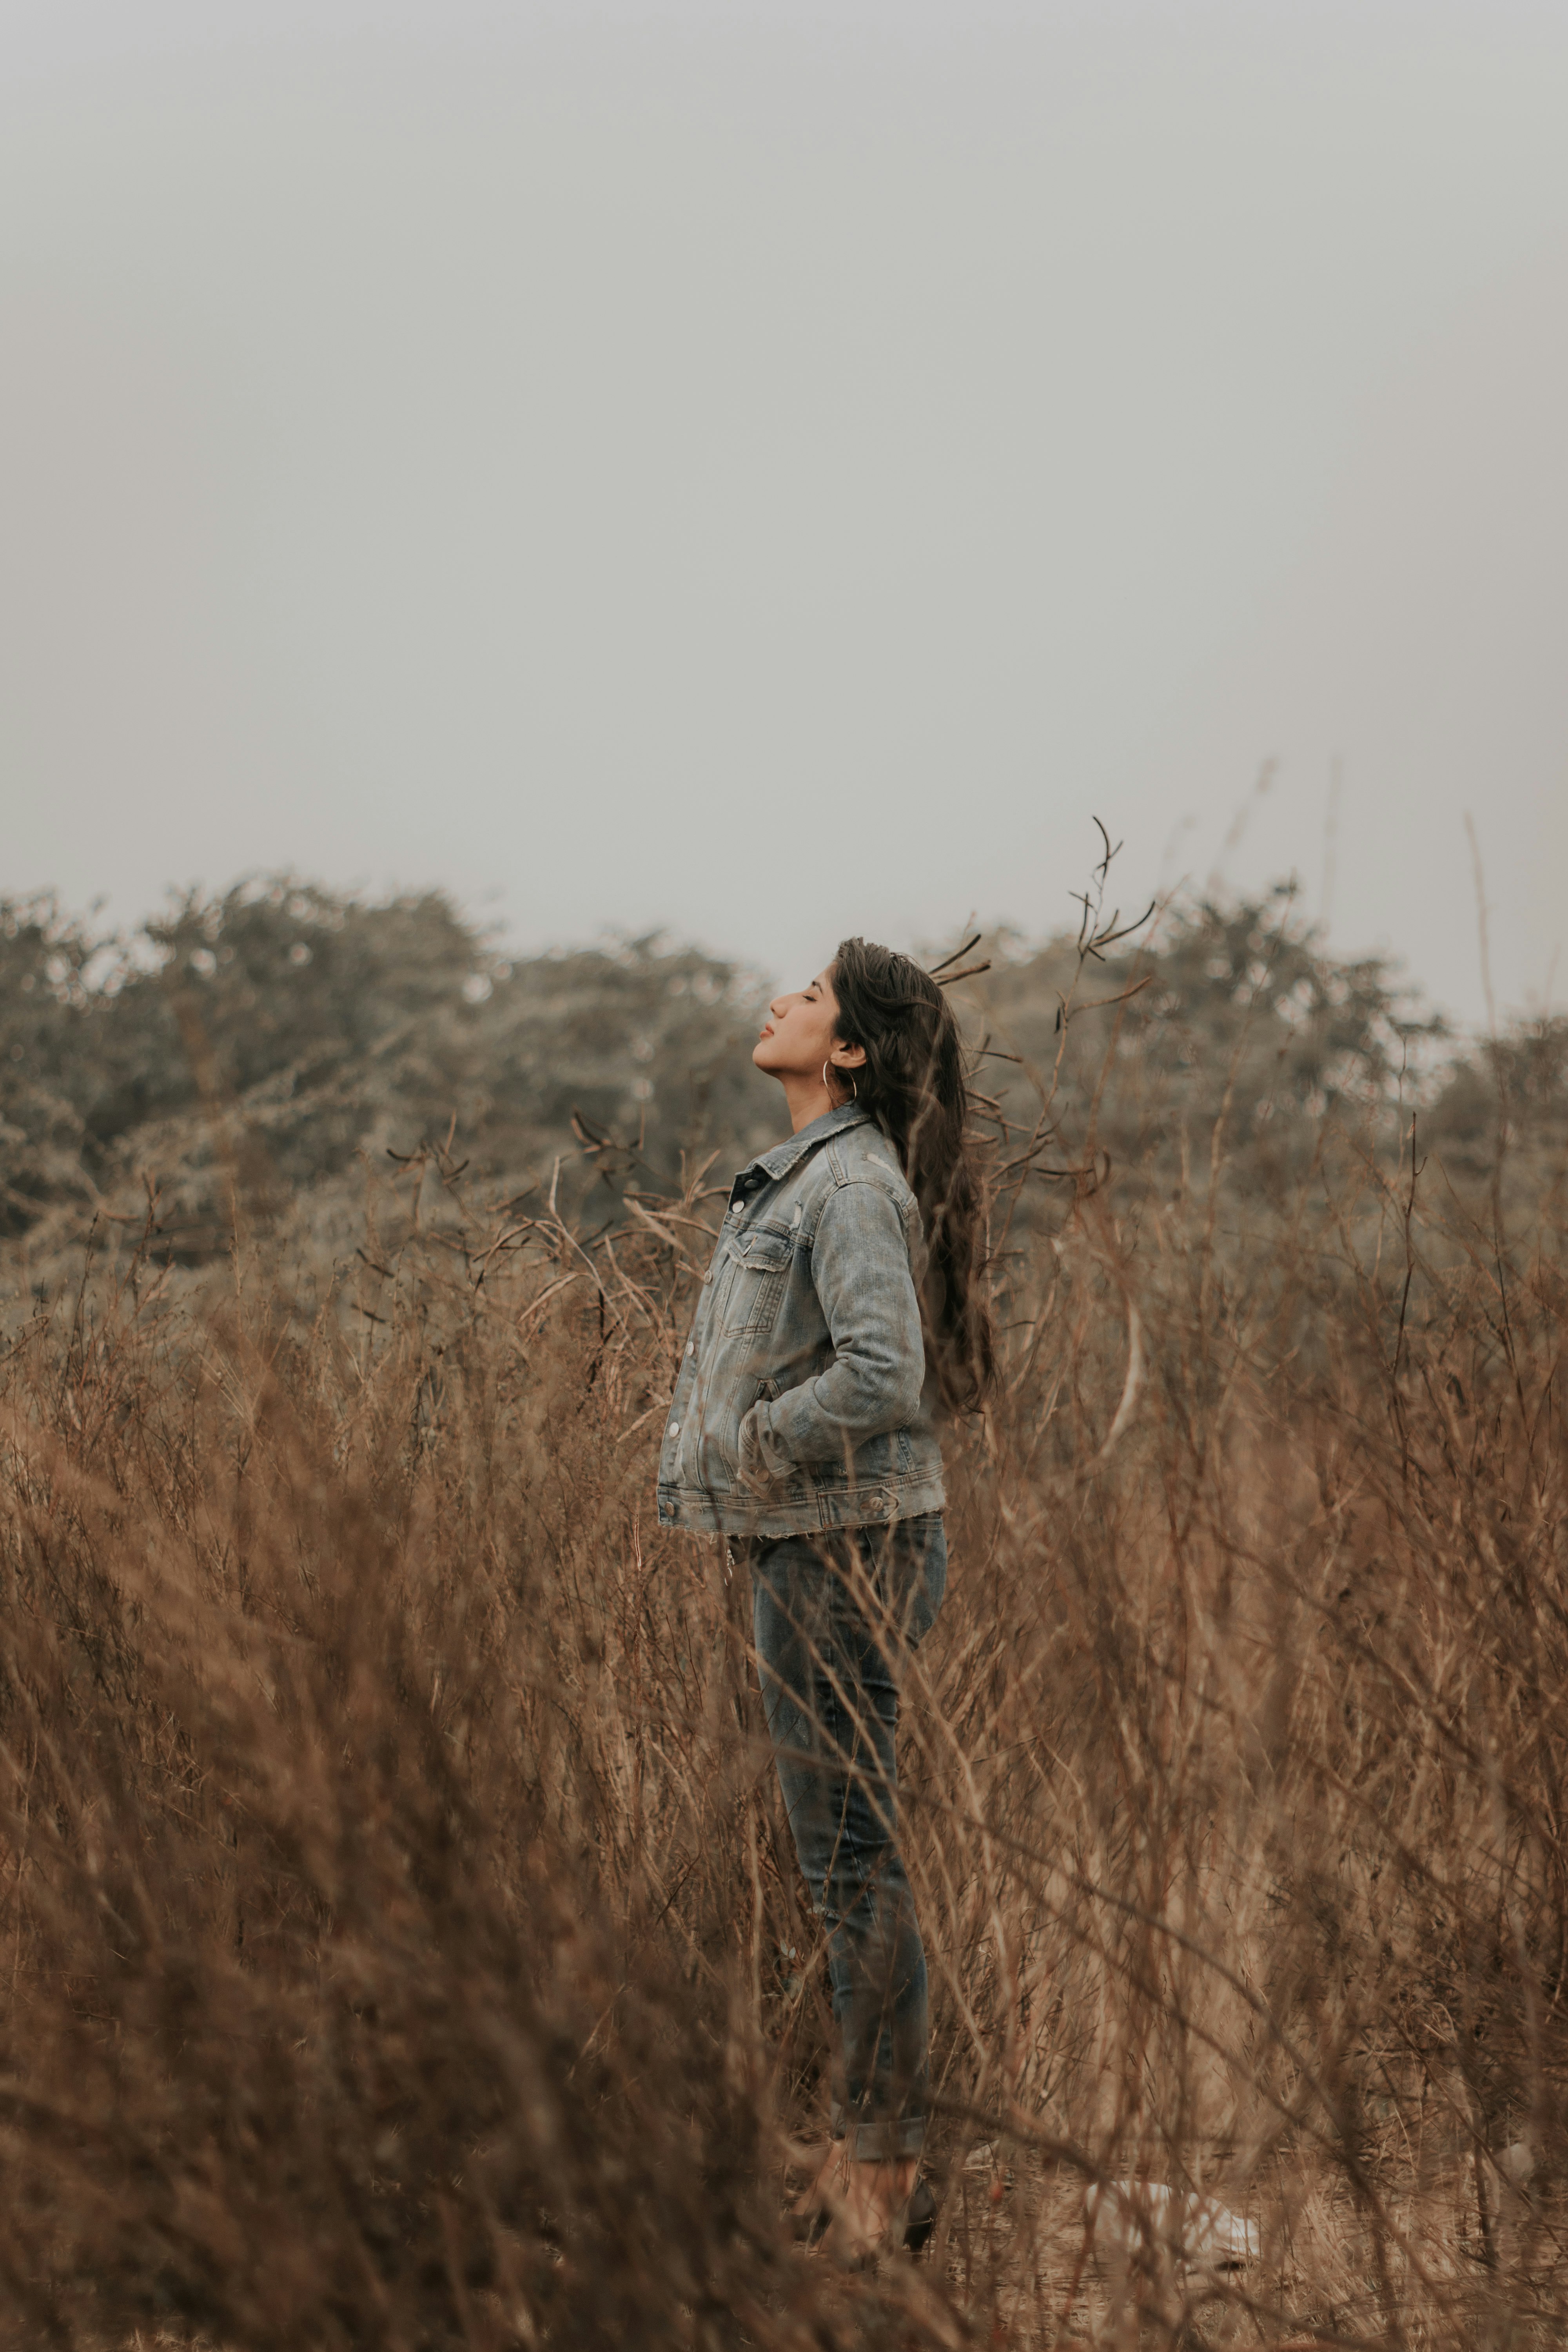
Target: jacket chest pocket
[{"x": 758, "y": 1273}]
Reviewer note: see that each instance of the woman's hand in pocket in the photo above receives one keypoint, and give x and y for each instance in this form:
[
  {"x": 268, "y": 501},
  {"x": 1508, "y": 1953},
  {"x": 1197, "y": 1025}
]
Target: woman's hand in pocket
[{"x": 753, "y": 1472}]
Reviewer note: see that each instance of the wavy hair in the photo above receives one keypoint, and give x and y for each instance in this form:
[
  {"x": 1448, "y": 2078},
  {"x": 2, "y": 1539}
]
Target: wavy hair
[{"x": 913, "y": 1085}]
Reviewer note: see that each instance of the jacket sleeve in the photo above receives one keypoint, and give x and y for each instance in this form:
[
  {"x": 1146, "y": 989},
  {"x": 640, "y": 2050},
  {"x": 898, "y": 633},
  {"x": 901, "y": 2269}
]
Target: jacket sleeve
[{"x": 860, "y": 1267}]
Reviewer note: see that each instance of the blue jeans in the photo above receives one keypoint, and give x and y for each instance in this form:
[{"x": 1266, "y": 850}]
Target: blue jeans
[{"x": 835, "y": 1615}]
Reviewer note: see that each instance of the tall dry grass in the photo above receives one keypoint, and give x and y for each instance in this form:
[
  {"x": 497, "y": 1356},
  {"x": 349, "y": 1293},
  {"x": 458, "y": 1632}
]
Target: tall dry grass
[{"x": 402, "y": 1941}]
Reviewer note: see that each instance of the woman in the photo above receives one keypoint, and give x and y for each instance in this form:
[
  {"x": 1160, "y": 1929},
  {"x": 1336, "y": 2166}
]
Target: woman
[{"x": 841, "y": 1311}]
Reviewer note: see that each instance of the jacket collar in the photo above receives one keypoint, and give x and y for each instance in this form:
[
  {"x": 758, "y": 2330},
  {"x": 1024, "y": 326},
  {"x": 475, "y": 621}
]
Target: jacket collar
[{"x": 784, "y": 1156}]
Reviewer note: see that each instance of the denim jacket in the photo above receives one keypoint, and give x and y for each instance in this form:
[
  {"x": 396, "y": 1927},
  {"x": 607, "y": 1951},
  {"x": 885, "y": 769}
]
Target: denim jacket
[{"x": 802, "y": 1400}]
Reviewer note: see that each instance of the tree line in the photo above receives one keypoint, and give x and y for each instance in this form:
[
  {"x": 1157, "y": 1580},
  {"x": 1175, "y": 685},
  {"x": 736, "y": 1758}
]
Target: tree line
[{"x": 263, "y": 1044}]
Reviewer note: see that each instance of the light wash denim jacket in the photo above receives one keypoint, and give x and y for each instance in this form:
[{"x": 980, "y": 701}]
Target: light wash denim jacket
[{"x": 802, "y": 1400}]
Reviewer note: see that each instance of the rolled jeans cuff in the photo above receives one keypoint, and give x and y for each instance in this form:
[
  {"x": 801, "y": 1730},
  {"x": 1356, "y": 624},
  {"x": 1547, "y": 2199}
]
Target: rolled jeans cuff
[{"x": 883, "y": 2143}]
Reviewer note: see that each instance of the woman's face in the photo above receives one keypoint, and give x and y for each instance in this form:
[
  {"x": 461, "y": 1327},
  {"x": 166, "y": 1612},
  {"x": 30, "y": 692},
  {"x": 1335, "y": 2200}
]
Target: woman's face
[{"x": 801, "y": 1033}]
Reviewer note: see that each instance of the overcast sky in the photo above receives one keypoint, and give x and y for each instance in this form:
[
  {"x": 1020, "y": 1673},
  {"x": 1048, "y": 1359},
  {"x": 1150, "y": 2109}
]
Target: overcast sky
[{"x": 769, "y": 470}]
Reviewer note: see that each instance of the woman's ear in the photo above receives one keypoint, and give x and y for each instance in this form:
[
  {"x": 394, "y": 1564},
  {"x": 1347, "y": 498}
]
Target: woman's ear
[{"x": 849, "y": 1058}]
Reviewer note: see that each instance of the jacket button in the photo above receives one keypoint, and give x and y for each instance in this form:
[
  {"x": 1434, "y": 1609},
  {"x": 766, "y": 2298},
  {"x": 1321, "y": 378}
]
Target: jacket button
[
  {"x": 691, "y": 1346},
  {"x": 675, "y": 1429}
]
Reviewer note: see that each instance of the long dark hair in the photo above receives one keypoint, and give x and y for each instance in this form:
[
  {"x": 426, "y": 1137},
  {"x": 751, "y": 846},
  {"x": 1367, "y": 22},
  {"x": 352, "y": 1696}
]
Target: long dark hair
[{"x": 913, "y": 1085}]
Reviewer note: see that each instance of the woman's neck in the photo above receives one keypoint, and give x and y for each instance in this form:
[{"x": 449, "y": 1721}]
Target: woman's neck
[{"x": 807, "y": 1099}]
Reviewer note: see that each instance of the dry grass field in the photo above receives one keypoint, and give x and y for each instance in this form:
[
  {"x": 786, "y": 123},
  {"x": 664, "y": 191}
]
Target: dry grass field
[{"x": 401, "y": 1940}]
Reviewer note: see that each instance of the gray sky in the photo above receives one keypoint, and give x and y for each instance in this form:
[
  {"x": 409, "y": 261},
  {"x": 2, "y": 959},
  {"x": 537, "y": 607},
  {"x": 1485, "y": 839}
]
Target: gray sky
[{"x": 771, "y": 470}]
